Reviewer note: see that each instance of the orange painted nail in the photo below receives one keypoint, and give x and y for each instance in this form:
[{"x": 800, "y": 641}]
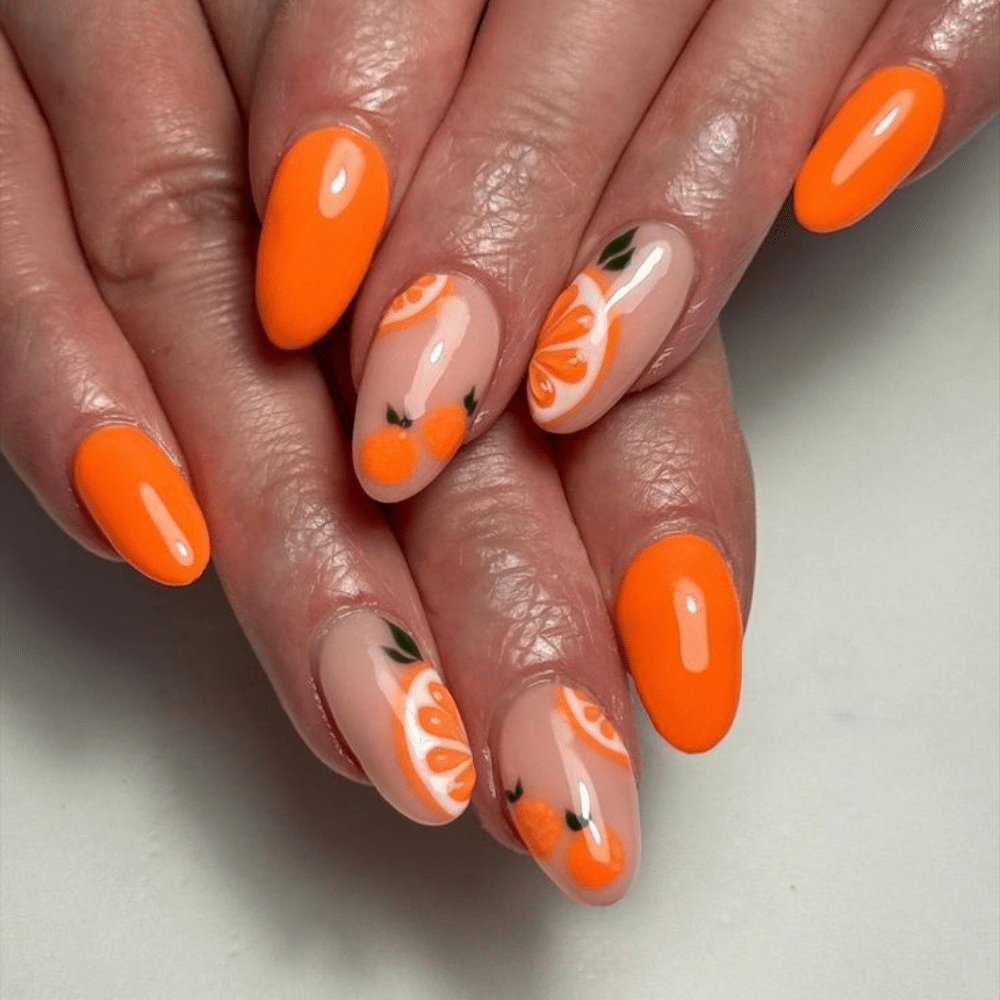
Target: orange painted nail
[
  {"x": 142, "y": 503},
  {"x": 679, "y": 619},
  {"x": 874, "y": 142},
  {"x": 326, "y": 210}
]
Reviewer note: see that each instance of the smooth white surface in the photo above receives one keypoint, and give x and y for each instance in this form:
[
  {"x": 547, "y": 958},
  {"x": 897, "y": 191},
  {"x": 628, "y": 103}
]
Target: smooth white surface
[{"x": 164, "y": 835}]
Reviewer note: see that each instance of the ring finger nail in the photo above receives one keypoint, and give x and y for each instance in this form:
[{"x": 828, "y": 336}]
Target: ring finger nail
[
  {"x": 680, "y": 623},
  {"x": 326, "y": 210},
  {"x": 570, "y": 792},
  {"x": 432, "y": 357},
  {"x": 400, "y": 721},
  {"x": 874, "y": 142},
  {"x": 142, "y": 503},
  {"x": 607, "y": 325}
]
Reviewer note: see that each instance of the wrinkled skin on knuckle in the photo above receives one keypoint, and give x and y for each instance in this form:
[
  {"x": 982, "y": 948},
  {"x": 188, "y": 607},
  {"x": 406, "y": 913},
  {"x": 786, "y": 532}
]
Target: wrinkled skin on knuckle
[
  {"x": 501, "y": 553},
  {"x": 176, "y": 223}
]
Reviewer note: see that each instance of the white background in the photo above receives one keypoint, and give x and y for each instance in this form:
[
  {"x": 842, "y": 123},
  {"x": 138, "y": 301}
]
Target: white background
[{"x": 165, "y": 836}]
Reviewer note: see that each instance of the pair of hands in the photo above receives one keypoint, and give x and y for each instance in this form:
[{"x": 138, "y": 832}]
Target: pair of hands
[{"x": 126, "y": 297}]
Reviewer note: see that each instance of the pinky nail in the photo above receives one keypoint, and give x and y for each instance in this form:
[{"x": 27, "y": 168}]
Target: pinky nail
[
  {"x": 568, "y": 787},
  {"x": 326, "y": 210},
  {"x": 679, "y": 619},
  {"x": 606, "y": 327},
  {"x": 873, "y": 143},
  {"x": 142, "y": 504},
  {"x": 395, "y": 713}
]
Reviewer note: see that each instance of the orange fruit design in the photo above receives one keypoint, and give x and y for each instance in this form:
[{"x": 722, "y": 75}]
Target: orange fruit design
[
  {"x": 595, "y": 857},
  {"x": 431, "y": 745},
  {"x": 388, "y": 456},
  {"x": 591, "y": 725},
  {"x": 444, "y": 430},
  {"x": 575, "y": 347},
  {"x": 423, "y": 297},
  {"x": 538, "y": 822}
]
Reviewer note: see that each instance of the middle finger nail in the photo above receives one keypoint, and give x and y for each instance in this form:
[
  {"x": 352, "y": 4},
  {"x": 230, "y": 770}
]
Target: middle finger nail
[
  {"x": 570, "y": 791},
  {"x": 433, "y": 356}
]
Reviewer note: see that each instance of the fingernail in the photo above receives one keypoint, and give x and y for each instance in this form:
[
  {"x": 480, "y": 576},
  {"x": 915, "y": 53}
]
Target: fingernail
[
  {"x": 568, "y": 787},
  {"x": 142, "y": 503},
  {"x": 679, "y": 620},
  {"x": 605, "y": 328},
  {"x": 326, "y": 210},
  {"x": 873, "y": 143},
  {"x": 430, "y": 362},
  {"x": 397, "y": 716}
]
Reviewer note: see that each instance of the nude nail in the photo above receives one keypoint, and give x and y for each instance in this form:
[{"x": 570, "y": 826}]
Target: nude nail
[
  {"x": 430, "y": 362},
  {"x": 606, "y": 327},
  {"x": 395, "y": 713},
  {"x": 568, "y": 787},
  {"x": 679, "y": 618}
]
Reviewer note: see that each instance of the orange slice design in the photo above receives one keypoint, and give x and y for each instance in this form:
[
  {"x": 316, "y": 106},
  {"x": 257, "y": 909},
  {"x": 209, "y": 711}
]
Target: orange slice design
[
  {"x": 575, "y": 347},
  {"x": 591, "y": 725},
  {"x": 431, "y": 744},
  {"x": 423, "y": 297}
]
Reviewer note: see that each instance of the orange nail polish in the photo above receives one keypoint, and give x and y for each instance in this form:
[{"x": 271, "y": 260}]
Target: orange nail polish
[
  {"x": 327, "y": 208},
  {"x": 874, "y": 142},
  {"x": 679, "y": 620},
  {"x": 142, "y": 503}
]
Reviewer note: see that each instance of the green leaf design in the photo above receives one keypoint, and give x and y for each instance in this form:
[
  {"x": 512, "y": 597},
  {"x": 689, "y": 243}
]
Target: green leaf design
[
  {"x": 470, "y": 401},
  {"x": 513, "y": 796},
  {"x": 573, "y": 821},
  {"x": 621, "y": 262},
  {"x": 395, "y": 654},
  {"x": 404, "y": 643},
  {"x": 616, "y": 246},
  {"x": 394, "y": 418}
]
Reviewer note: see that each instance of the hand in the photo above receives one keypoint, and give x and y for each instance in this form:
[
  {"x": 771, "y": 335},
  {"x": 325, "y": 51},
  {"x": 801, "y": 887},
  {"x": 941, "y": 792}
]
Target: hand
[
  {"x": 129, "y": 359},
  {"x": 645, "y": 146}
]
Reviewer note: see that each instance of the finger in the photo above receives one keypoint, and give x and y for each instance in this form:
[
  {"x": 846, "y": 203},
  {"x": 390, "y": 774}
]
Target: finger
[
  {"x": 691, "y": 199},
  {"x": 925, "y": 80},
  {"x": 78, "y": 419},
  {"x": 491, "y": 221},
  {"x": 313, "y": 573},
  {"x": 345, "y": 97},
  {"x": 662, "y": 493},
  {"x": 528, "y": 649}
]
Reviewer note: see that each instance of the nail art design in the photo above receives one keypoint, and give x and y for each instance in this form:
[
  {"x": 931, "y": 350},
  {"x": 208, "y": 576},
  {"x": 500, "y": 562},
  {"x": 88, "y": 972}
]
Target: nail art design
[
  {"x": 605, "y": 328},
  {"x": 874, "y": 142},
  {"x": 325, "y": 213},
  {"x": 570, "y": 791},
  {"x": 432, "y": 357},
  {"x": 679, "y": 618},
  {"x": 142, "y": 503},
  {"x": 397, "y": 717}
]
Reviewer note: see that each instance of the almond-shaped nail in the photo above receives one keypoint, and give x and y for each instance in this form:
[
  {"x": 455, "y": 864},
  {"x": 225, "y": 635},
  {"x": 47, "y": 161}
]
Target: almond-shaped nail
[
  {"x": 874, "y": 142},
  {"x": 568, "y": 787},
  {"x": 679, "y": 619},
  {"x": 430, "y": 362},
  {"x": 395, "y": 713},
  {"x": 325, "y": 212},
  {"x": 142, "y": 504},
  {"x": 606, "y": 327}
]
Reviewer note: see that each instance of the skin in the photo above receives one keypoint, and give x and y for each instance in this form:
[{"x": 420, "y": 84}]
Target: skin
[{"x": 126, "y": 296}]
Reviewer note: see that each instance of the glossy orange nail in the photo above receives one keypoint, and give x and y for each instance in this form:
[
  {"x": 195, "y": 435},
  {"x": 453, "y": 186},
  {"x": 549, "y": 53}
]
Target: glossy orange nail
[
  {"x": 679, "y": 619},
  {"x": 327, "y": 208},
  {"x": 142, "y": 503},
  {"x": 874, "y": 142}
]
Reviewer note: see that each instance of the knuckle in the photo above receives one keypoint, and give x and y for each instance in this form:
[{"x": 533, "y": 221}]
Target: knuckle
[{"x": 188, "y": 210}]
